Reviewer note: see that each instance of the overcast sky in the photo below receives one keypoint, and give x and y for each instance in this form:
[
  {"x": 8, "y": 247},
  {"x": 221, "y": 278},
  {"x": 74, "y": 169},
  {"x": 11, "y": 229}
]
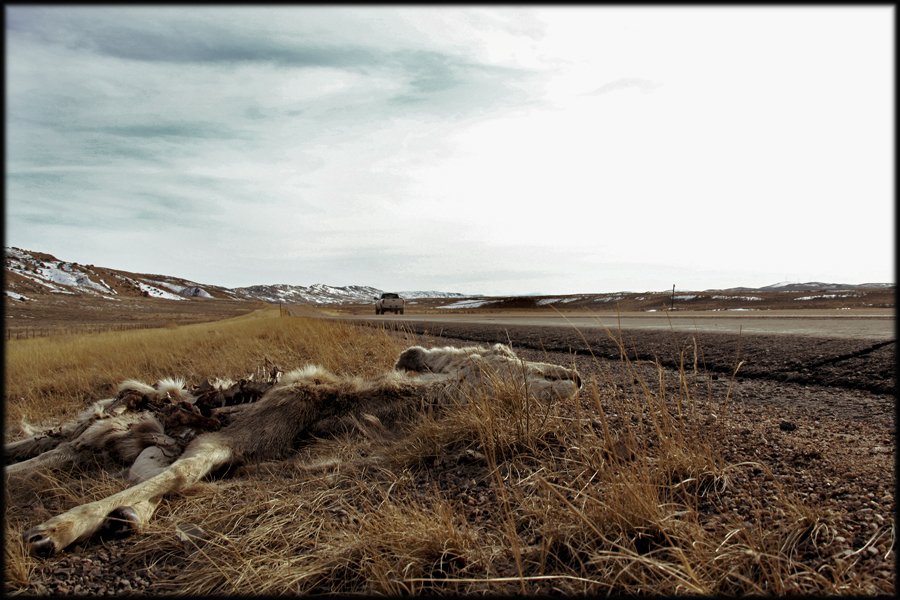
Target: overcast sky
[{"x": 476, "y": 150}]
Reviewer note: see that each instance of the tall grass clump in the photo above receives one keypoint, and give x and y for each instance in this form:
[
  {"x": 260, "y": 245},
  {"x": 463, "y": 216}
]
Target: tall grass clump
[{"x": 48, "y": 379}]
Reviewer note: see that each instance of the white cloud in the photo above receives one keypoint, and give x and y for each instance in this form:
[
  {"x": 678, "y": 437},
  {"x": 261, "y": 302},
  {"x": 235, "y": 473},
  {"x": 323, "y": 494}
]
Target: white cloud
[{"x": 487, "y": 150}]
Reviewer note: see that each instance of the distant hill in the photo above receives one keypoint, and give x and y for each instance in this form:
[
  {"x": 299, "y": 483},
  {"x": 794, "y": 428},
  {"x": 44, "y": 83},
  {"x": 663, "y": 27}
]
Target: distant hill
[
  {"x": 30, "y": 274},
  {"x": 37, "y": 273},
  {"x": 812, "y": 286},
  {"x": 320, "y": 293}
]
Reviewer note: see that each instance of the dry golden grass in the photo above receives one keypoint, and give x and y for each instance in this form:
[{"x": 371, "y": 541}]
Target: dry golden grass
[
  {"x": 48, "y": 379},
  {"x": 621, "y": 497}
]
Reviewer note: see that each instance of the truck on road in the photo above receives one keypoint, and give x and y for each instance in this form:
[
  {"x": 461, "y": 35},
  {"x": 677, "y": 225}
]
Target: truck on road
[{"x": 389, "y": 302}]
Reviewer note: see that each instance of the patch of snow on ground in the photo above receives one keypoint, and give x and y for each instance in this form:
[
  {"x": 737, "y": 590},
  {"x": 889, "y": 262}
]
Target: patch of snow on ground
[
  {"x": 194, "y": 291},
  {"x": 544, "y": 301},
  {"x": 468, "y": 304},
  {"x": 15, "y": 252},
  {"x": 16, "y": 296},
  {"x": 827, "y": 296},
  {"x": 157, "y": 293},
  {"x": 736, "y": 298},
  {"x": 38, "y": 280},
  {"x": 108, "y": 289},
  {"x": 64, "y": 275}
]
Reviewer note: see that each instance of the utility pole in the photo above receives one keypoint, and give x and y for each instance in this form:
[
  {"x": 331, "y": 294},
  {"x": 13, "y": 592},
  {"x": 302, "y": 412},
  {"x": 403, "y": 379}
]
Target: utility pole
[{"x": 673, "y": 296}]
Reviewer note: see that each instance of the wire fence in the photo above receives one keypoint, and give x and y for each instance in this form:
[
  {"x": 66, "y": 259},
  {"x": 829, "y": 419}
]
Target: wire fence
[{"x": 24, "y": 333}]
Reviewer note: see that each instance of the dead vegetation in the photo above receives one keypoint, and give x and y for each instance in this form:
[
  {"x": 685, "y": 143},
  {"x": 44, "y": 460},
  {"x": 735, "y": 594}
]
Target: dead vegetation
[{"x": 627, "y": 492}]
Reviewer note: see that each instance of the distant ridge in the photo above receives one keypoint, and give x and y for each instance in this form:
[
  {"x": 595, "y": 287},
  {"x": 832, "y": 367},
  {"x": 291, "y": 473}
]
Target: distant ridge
[
  {"x": 812, "y": 286},
  {"x": 34, "y": 273},
  {"x": 321, "y": 293}
]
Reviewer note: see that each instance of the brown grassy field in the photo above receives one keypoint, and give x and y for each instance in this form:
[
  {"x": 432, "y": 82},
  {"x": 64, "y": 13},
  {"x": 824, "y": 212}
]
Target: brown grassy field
[
  {"x": 50, "y": 314},
  {"x": 634, "y": 487},
  {"x": 649, "y": 301}
]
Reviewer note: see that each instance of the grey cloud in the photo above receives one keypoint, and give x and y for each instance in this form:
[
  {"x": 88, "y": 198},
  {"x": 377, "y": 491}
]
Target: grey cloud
[
  {"x": 64, "y": 145},
  {"x": 222, "y": 47},
  {"x": 177, "y": 36},
  {"x": 255, "y": 114},
  {"x": 187, "y": 36},
  {"x": 46, "y": 208},
  {"x": 107, "y": 118},
  {"x": 430, "y": 71},
  {"x": 79, "y": 196},
  {"x": 177, "y": 130},
  {"x": 34, "y": 179}
]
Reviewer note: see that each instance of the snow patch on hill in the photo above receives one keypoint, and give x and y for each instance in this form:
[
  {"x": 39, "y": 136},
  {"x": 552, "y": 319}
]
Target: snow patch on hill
[
  {"x": 183, "y": 290},
  {"x": 155, "y": 292},
  {"x": 433, "y": 294},
  {"x": 62, "y": 277},
  {"x": 469, "y": 304}
]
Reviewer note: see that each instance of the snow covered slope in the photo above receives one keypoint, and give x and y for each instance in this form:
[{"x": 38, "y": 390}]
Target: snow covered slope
[
  {"x": 31, "y": 273},
  {"x": 34, "y": 273}
]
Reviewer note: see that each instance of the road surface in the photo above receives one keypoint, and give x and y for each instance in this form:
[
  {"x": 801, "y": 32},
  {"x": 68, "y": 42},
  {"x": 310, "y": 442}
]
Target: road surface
[{"x": 873, "y": 324}]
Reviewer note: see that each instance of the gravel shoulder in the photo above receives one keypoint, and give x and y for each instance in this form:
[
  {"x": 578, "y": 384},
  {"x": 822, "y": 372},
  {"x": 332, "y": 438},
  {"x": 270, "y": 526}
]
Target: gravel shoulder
[{"x": 816, "y": 414}]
